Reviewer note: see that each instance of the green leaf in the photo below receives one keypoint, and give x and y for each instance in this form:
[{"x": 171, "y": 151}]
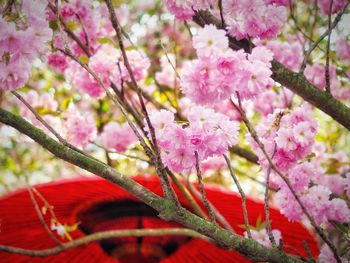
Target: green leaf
[
  {"x": 84, "y": 59},
  {"x": 105, "y": 40},
  {"x": 65, "y": 103},
  {"x": 54, "y": 24}
]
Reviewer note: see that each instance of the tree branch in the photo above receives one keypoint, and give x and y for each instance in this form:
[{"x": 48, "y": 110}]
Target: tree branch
[
  {"x": 168, "y": 211},
  {"x": 294, "y": 81}
]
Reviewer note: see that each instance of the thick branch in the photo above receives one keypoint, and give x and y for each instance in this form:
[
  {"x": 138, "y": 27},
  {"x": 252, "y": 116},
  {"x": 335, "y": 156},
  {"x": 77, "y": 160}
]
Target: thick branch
[
  {"x": 291, "y": 80},
  {"x": 168, "y": 211}
]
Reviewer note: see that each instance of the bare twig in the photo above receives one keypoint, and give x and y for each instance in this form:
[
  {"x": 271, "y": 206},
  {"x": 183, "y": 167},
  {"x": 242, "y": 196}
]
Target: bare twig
[
  {"x": 44, "y": 123},
  {"x": 100, "y": 236},
  {"x": 188, "y": 29},
  {"x": 168, "y": 191},
  {"x": 122, "y": 154},
  {"x": 219, "y": 217},
  {"x": 68, "y": 31},
  {"x": 41, "y": 218},
  {"x": 267, "y": 209},
  {"x": 196, "y": 208},
  {"x": 326, "y": 33},
  {"x": 169, "y": 60},
  {"x": 221, "y": 14},
  {"x": 328, "y": 83},
  {"x": 308, "y": 252},
  {"x": 284, "y": 178},
  {"x": 201, "y": 187},
  {"x": 241, "y": 192}
]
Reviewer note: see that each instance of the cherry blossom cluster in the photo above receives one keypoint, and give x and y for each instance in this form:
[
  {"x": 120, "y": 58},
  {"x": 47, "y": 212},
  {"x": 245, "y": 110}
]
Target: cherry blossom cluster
[
  {"x": 326, "y": 255},
  {"x": 46, "y": 105},
  {"x": 21, "y": 42},
  {"x": 245, "y": 19},
  {"x": 268, "y": 101},
  {"x": 254, "y": 18},
  {"x": 262, "y": 236},
  {"x": 94, "y": 30},
  {"x": 209, "y": 134},
  {"x": 325, "y": 6},
  {"x": 167, "y": 75},
  {"x": 343, "y": 49},
  {"x": 107, "y": 64},
  {"x": 118, "y": 137},
  {"x": 287, "y": 136},
  {"x": 220, "y": 72},
  {"x": 184, "y": 9},
  {"x": 290, "y": 54},
  {"x": 317, "y": 199},
  {"x": 80, "y": 127}
]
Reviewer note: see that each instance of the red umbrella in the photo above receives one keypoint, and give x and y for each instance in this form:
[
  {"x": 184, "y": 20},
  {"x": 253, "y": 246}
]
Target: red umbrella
[{"x": 100, "y": 205}]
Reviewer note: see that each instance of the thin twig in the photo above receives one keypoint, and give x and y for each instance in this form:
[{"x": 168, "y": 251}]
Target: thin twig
[
  {"x": 167, "y": 57},
  {"x": 328, "y": 82},
  {"x": 122, "y": 154},
  {"x": 188, "y": 29},
  {"x": 267, "y": 209},
  {"x": 326, "y": 33},
  {"x": 219, "y": 217},
  {"x": 201, "y": 187},
  {"x": 241, "y": 192},
  {"x": 284, "y": 178},
  {"x": 308, "y": 252},
  {"x": 41, "y": 218},
  {"x": 187, "y": 194},
  {"x": 221, "y": 14},
  {"x": 168, "y": 191},
  {"x": 44, "y": 123},
  {"x": 314, "y": 22},
  {"x": 68, "y": 30},
  {"x": 100, "y": 236}
]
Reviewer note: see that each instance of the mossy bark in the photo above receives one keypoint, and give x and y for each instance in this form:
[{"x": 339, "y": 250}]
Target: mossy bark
[{"x": 167, "y": 209}]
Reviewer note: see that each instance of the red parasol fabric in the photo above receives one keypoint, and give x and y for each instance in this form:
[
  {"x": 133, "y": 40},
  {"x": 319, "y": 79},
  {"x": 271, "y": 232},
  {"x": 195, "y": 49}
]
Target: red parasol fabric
[{"x": 100, "y": 205}]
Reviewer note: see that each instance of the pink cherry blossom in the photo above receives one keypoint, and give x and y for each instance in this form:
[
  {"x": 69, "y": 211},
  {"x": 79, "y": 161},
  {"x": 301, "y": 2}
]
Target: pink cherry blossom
[
  {"x": 263, "y": 238},
  {"x": 183, "y": 9},
  {"x": 81, "y": 127},
  {"x": 338, "y": 210},
  {"x": 288, "y": 53},
  {"x": 15, "y": 74},
  {"x": 167, "y": 76},
  {"x": 254, "y": 18},
  {"x": 118, "y": 137},
  {"x": 105, "y": 63},
  {"x": 209, "y": 134},
  {"x": 327, "y": 256},
  {"x": 210, "y": 40},
  {"x": 139, "y": 63},
  {"x": 57, "y": 61},
  {"x": 82, "y": 80},
  {"x": 343, "y": 49},
  {"x": 324, "y": 5}
]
